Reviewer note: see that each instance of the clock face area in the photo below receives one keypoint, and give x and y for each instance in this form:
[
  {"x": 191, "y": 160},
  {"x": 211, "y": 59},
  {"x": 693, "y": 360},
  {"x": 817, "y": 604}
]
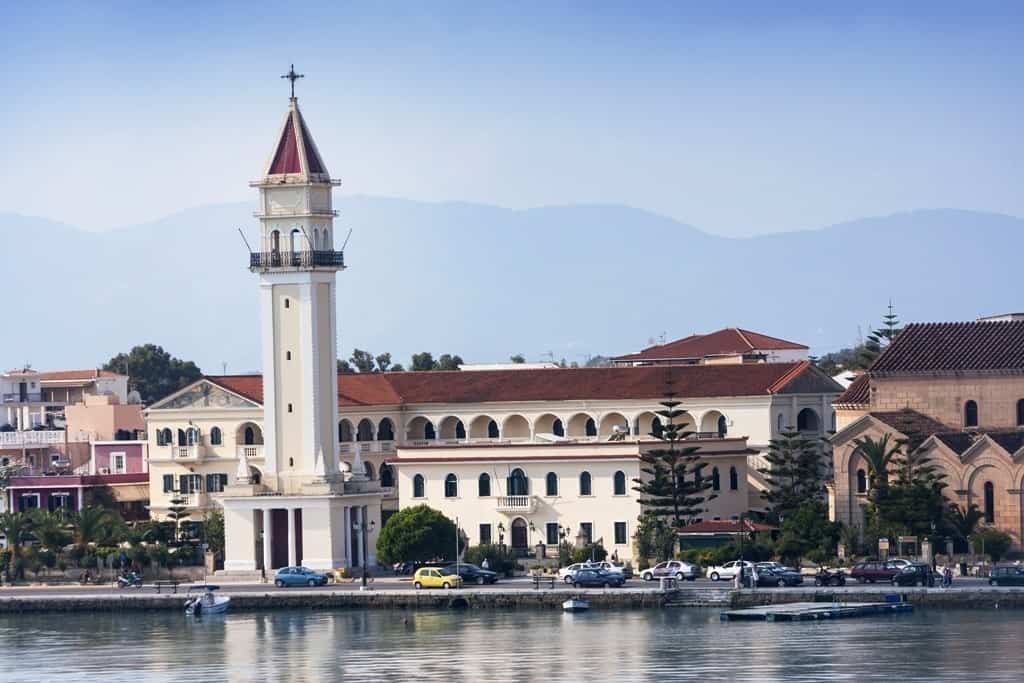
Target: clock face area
[{"x": 285, "y": 200}]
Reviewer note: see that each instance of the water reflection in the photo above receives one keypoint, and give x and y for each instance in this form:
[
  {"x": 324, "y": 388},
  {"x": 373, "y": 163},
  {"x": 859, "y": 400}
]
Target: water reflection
[{"x": 480, "y": 646}]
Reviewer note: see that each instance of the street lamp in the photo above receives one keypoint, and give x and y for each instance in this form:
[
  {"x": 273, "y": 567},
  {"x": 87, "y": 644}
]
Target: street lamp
[
  {"x": 365, "y": 532},
  {"x": 501, "y": 535}
]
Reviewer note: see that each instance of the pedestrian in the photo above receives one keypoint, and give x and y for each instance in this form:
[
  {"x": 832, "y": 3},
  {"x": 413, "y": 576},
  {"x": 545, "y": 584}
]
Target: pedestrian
[
  {"x": 947, "y": 576},
  {"x": 737, "y": 579},
  {"x": 485, "y": 564}
]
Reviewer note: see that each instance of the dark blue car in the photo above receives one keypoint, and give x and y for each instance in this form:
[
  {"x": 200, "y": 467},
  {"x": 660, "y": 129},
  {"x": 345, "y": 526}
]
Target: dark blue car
[
  {"x": 597, "y": 578},
  {"x": 298, "y": 576}
]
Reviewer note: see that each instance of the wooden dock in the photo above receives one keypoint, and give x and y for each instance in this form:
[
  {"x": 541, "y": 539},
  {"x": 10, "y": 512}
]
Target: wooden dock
[{"x": 817, "y": 611}]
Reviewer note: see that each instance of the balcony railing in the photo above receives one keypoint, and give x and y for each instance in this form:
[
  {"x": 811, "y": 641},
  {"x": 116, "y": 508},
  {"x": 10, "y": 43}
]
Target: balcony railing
[
  {"x": 296, "y": 259},
  {"x": 520, "y": 504},
  {"x": 248, "y": 452},
  {"x": 33, "y": 438},
  {"x": 21, "y": 398},
  {"x": 193, "y": 452},
  {"x": 365, "y": 447}
]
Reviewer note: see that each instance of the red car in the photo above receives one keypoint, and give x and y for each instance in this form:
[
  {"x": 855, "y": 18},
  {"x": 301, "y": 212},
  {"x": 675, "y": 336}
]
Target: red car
[{"x": 869, "y": 572}]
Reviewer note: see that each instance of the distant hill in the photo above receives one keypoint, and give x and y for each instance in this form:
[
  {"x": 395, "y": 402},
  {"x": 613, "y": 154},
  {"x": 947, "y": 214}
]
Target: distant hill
[{"x": 487, "y": 282}]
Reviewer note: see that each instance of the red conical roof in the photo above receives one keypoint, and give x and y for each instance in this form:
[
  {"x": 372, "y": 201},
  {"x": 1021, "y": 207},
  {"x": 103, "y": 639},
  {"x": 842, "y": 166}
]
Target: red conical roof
[{"x": 295, "y": 152}]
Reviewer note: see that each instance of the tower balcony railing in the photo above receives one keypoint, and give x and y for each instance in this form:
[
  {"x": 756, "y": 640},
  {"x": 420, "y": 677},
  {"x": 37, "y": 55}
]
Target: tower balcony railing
[{"x": 296, "y": 259}]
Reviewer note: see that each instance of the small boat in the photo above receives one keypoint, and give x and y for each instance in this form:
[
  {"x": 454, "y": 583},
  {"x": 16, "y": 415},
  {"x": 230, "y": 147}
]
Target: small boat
[
  {"x": 206, "y": 602},
  {"x": 575, "y": 605}
]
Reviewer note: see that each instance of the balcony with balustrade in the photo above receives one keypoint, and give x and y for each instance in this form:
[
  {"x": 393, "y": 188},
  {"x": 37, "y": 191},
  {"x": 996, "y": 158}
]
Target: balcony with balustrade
[
  {"x": 190, "y": 453},
  {"x": 250, "y": 452},
  {"x": 522, "y": 505}
]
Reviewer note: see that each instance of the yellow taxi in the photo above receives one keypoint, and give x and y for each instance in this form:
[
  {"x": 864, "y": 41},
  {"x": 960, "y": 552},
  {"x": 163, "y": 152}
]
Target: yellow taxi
[{"x": 436, "y": 577}]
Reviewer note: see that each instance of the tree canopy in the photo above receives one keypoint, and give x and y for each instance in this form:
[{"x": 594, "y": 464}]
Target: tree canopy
[
  {"x": 795, "y": 473},
  {"x": 417, "y": 534},
  {"x": 154, "y": 372},
  {"x": 425, "y": 361}
]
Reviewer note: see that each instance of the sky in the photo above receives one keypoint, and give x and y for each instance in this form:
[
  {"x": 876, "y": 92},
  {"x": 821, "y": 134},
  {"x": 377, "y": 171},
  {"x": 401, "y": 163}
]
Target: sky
[{"x": 740, "y": 120}]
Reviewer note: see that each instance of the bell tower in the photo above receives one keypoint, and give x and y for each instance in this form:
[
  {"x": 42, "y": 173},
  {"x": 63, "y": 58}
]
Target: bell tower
[{"x": 297, "y": 264}]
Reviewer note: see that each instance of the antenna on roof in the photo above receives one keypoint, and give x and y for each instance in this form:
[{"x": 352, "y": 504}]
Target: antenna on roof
[
  {"x": 242, "y": 234},
  {"x": 345, "y": 243}
]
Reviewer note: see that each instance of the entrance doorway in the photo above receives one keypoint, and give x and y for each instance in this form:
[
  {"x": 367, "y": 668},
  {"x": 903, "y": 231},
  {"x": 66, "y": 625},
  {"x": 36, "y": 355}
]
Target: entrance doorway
[{"x": 519, "y": 529}]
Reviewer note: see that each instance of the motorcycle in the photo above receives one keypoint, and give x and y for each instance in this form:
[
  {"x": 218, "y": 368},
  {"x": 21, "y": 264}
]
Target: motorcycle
[
  {"x": 131, "y": 580},
  {"x": 824, "y": 577}
]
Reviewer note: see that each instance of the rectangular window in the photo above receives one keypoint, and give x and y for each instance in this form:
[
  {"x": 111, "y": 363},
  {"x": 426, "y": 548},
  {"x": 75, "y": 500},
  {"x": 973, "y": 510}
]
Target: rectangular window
[
  {"x": 287, "y": 355},
  {"x": 620, "y": 533},
  {"x": 59, "y": 501},
  {"x": 29, "y": 501},
  {"x": 485, "y": 534},
  {"x": 117, "y": 463},
  {"x": 190, "y": 483},
  {"x": 289, "y": 407},
  {"x": 286, "y": 302},
  {"x": 587, "y": 528},
  {"x": 168, "y": 483},
  {"x": 551, "y": 533},
  {"x": 215, "y": 483}
]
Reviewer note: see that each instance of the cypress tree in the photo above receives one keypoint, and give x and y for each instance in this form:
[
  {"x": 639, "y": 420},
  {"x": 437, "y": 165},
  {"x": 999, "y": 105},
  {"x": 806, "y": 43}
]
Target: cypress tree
[{"x": 795, "y": 473}]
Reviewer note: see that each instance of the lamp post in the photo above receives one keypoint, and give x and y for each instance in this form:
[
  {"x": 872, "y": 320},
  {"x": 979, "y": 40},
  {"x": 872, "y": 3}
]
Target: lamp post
[
  {"x": 365, "y": 530},
  {"x": 501, "y": 535}
]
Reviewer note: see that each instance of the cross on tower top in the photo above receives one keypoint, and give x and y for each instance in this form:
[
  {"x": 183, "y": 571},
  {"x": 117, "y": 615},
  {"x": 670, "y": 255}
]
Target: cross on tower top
[{"x": 292, "y": 76}]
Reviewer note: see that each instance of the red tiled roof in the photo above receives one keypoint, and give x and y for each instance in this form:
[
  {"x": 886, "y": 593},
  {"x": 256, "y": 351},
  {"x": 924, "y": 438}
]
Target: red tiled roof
[
  {"x": 857, "y": 394},
  {"x": 954, "y": 347},
  {"x": 286, "y": 158},
  {"x": 65, "y": 375},
  {"x": 730, "y": 340},
  {"x": 723, "y": 527},
  {"x": 609, "y": 383},
  {"x": 916, "y": 426}
]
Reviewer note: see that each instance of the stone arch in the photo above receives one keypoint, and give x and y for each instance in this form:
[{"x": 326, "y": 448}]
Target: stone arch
[
  {"x": 364, "y": 430},
  {"x": 386, "y": 430},
  {"x": 346, "y": 433},
  {"x": 648, "y": 425},
  {"x": 255, "y": 475},
  {"x": 249, "y": 434},
  {"x": 971, "y": 413},
  {"x": 712, "y": 422},
  {"x": 807, "y": 420},
  {"x": 577, "y": 425},
  {"x": 451, "y": 428},
  {"x": 515, "y": 427},
  {"x": 609, "y": 421},
  {"x": 421, "y": 429},
  {"x": 368, "y": 469},
  {"x": 483, "y": 427},
  {"x": 518, "y": 484},
  {"x": 549, "y": 423},
  {"x": 387, "y": 476}
]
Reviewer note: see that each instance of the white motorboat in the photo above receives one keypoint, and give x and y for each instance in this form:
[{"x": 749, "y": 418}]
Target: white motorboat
[
  {"x": 575, "y": 605},
  {"x": 206, "y": 601}
]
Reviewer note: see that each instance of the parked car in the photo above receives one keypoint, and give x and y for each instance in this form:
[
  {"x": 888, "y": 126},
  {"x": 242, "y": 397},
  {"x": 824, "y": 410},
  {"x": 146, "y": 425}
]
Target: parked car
[
  {"x": 916, "y": 574},
  {"x": 787, "y": 576},
  {"x": 830, "y": 577},
  {"x": 299, "y": 576},
  {"x": 596, "y": 578},
  {"x": 567, "y": 573},
  {"x": 472, "y": 573},
  {"x": 728, "y": 570},
  {"x": 675, "y": 569},
  {"x": 765, "y": 579},
  {"x": 900, "y": 562},
  {"x": 1009, "y": 575},
  {"x": 436, "y": 577},
  {"x": 869, "y": 572},
  {"x": 610, "y": 567}
]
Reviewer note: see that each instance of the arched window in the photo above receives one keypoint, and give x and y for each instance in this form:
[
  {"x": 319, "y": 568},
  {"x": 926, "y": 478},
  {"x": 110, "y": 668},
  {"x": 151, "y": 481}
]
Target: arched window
[
  {"x": 619, "y": 483},
  {"x": 585, "y": 484},
  {"x": 165, "y": 437},
  {"x": 428, "y": 431},
  {"x": 492, "y": 430},
  {"x": 590, "y": 429},
  {"x": 518, "y": 485},
  {"x": 716, "y": 482},
  {"x": 807, "y": 421},
  {"x": 734, "y": 480},
  {"x": 365, "y": 430},
  {"x": 215, "y": 436},
  {"x": 780, "y": 423},
  {"x": 862, "y": 481},
  {"x": 970, "y": 414},
  {"x": 656, "y": 428},
  {"x": 182, "y": 439},
  {"x": 344, "y": 431},
  {"x": 417, "y": 486},
  {"x": 275, "y": 243},
  {"x": 451, "y": 486},
  {"x": 990, "y": 503},
  {"x": 368, "y": 469},
  {"x": 723, "y": 426},
  {"x": 1020, "y": 413},
  {"x": 387, "y": 476},
  {"x": 386, "y": 430},
  {"x": 249, "y": 437},
  {"x": 483, "y": 485},
  {"x": 557, "y": 428},
  {"x": 460, "y": 430},
  {"x": 551, "y": 484}
]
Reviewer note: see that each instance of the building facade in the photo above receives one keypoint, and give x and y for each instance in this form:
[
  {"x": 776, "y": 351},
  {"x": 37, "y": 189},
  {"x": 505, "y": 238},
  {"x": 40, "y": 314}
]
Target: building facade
[{"x": 954, "y": 391}]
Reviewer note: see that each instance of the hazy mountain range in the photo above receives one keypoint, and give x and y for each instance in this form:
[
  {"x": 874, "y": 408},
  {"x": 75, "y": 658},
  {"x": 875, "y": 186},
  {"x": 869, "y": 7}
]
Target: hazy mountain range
[{"x": 487, "y": 282}]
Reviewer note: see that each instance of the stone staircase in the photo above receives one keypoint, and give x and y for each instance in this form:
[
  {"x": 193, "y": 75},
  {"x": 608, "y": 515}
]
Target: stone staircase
[{"x": 699, "y": 597}]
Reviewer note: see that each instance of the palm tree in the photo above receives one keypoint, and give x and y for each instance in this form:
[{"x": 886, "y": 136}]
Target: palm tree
[
  {"x": 963, "y": 522},
  {"x": 90, "y": 525},
  {"x": 15, "y": 526},
  {"x": 50, "y": 529},
  {"x": 878, "y": 453}
]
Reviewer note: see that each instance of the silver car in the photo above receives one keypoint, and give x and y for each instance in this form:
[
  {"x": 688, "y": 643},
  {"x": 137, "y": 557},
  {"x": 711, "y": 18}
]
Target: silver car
[{"x": 674, "y": 569}]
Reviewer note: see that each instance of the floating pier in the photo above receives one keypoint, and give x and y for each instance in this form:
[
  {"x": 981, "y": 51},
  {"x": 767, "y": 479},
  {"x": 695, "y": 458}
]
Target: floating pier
[{"x": 816, "y": 611}]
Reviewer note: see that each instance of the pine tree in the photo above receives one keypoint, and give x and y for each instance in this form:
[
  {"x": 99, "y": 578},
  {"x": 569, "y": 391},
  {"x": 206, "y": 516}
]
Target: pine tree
[
  {"x": 674, "y": 489},
  {"x": 795, "y": 472},
  {"x": 879, "y": 339}
]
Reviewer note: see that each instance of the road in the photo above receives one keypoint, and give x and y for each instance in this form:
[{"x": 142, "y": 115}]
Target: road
[{"x": 405, "y": 583}]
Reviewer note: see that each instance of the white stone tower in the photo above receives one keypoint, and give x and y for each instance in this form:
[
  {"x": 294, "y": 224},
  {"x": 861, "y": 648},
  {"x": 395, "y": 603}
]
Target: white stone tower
[{"x": 297, "y": 264}]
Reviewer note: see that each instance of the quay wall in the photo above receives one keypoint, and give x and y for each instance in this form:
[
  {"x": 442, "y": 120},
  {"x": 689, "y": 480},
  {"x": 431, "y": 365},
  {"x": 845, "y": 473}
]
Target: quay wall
[{"x": 257, "y": 600}]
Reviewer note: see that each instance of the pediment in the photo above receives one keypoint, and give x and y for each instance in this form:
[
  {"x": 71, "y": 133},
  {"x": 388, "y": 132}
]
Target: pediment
[{"x": 203, "y": 394}]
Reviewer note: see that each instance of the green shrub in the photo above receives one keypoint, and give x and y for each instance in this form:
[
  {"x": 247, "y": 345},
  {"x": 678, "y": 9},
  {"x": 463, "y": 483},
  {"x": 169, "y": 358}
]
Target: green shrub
[
  {"x": 992, "y": 542},
  {"x": 594, "y": 551},
  {"x": 497, "y": 561}
]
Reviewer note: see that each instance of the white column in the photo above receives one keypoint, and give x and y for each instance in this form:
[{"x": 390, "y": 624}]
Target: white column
[
  {"x": 292, "y": 554},
  {"x": 80, "y": 498},
  {"x": 268, "y": 541},
  {"x": 362, "y": 530}
]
